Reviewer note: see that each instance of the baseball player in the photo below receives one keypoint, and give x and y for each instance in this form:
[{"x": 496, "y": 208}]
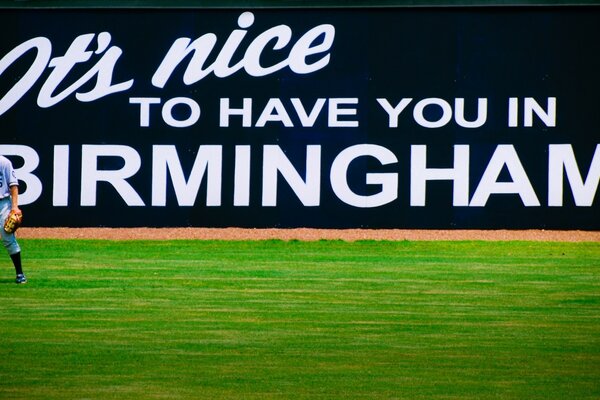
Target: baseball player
[{"x": 9, "y": 201}]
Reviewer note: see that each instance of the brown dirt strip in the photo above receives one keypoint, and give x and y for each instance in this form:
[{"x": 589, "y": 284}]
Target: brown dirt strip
[{"x": 305, "y": 234}]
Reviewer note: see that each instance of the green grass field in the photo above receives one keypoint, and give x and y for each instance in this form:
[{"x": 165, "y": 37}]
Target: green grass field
[{"x": 301, "y": 320}]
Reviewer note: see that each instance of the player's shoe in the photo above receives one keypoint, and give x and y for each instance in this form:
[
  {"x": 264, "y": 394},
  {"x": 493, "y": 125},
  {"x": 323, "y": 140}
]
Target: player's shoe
[{"x": 21, "y": 279}]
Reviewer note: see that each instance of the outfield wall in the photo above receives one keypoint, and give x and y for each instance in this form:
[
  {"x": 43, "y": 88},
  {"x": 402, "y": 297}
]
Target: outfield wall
[{"x": 390, "y": 117}]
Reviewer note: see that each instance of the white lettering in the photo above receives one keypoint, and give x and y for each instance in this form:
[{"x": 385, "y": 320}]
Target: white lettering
[
  {"x": 309, "y": 44},
  {"x": 76, "y": 54},
  {"x": 547, "y": 117},
  {"x": 282, "y": 34},
  {"x": 226, "y": 112},
  {"x": 144, "y": 103},
  {"x": 60, "y": 187},
  {"x": 561, "y": 156},
  {"x": 208, "y": 168},
  {"x": 44, "y": 50},
  {"x": 459, "y": 113},
  {"x": 388, "y": 181},
  {"x": 308, "y": 120},
  {"x": 444, "y": 118},
  {"x": 274, "y": 112},
  {"x": 275, "y": 160},
  {"x": 335, "y": 112},
  {"x": 241, "y": 193},
  {"x": 167, "y": 112},
  {"x": 420, "y": 174},
  {"x": 90, "y": 175},
  {"x": 31, "y": 160},
  {"x": 304, "y": 48},
  {"x": 513, "y": 112},
  {"x": 181, "y": 48},
  {"x": 208, "y": 160},
  {"x": 505, "y": 155},
  {"x": 393, "y": 112},
  {"x": 221, "y": 65}
]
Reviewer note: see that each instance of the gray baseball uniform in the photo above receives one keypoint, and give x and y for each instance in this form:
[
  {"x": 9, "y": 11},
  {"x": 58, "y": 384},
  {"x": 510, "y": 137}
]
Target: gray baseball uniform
[{"x": 7, "y": 179}]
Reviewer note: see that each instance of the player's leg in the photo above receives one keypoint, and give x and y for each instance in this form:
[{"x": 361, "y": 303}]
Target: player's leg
[
  {"x": 16, "y": 259},
  {"x": 9, "y": 241}
]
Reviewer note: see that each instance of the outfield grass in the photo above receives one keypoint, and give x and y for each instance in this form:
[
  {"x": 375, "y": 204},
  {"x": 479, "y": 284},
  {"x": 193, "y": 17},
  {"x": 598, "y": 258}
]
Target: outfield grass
[{"x": 301, "y": 320}]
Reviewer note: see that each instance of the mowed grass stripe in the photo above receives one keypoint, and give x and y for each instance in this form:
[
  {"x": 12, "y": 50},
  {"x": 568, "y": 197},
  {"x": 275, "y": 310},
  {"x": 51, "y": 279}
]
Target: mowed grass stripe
[{"x": 328, "y": 319}]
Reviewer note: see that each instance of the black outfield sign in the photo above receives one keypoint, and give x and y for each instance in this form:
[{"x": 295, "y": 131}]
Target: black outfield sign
[{"x": 381, "y": 118}]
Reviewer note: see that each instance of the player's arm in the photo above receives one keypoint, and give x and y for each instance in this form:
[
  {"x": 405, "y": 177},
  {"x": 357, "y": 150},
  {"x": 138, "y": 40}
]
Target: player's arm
[{"x": 14, "y": 196}]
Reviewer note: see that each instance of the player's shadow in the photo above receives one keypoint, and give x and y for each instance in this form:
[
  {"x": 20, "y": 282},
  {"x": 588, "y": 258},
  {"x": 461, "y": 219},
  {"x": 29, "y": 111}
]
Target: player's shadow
[{"x": 7, "y": 281}]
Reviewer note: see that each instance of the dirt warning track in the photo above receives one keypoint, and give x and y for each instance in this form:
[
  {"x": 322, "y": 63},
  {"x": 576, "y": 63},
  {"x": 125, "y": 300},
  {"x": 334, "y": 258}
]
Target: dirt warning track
[{"x": 305, "y": 234}]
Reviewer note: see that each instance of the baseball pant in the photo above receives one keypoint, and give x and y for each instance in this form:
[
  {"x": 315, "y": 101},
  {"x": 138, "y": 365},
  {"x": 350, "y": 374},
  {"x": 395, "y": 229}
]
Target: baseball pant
[{"x": 9, "y": 241}]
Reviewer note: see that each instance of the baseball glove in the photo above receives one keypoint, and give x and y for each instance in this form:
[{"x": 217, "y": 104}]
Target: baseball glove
[{"x": 13, "y": 222}]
